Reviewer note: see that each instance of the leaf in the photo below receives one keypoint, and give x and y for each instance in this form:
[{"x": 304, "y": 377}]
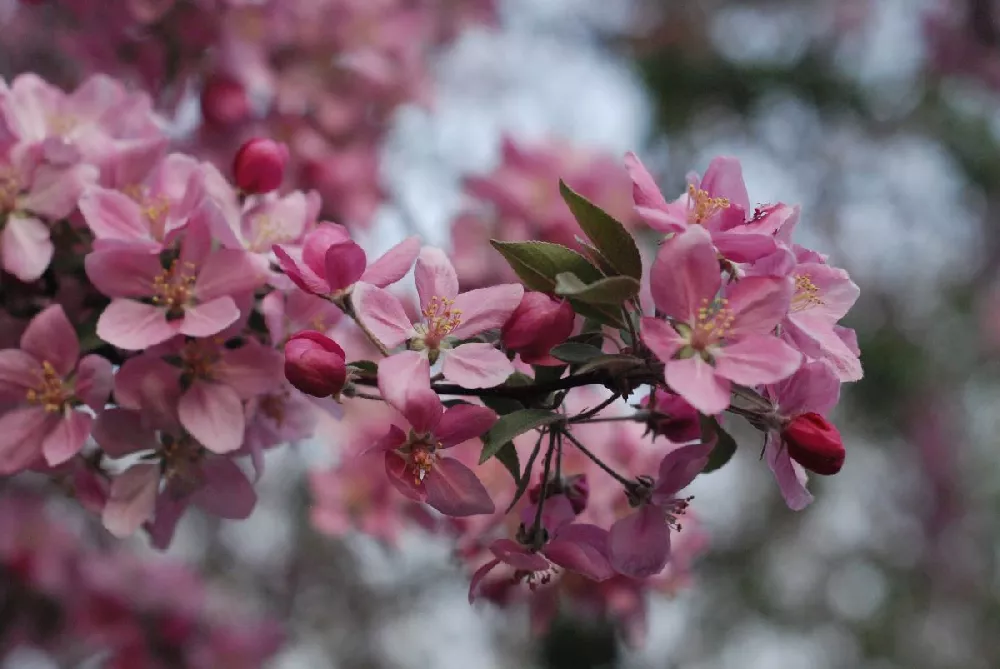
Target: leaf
[
  {"x": 525, "y": 481},
  {"x": 507, "y": 455},
  {"x": 538, "y": 263},
  {"x": 725, "y": 445},
  {"x": 366, "y": 366},
  {"x": 502, "y": 405},
  {"x": 575, "y": 353},
  {"x": 613, "y": 290},
  {"x": 512, "y": 425},
  {"x": 615, "y": 363},
  {"x": 548, "y": 373},
  {"x": 609, "y": 236}
]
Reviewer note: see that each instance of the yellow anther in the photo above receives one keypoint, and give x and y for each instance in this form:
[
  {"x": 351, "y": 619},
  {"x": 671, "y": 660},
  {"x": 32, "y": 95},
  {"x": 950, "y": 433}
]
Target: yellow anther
[
  {"x": 51, "y": 393},
  {"x": 702, "y": 206},
  {"x": 713, "y": 322},
  {"x": 173, "y": 288},
  {"x": 806, "y": 293},
  {"x": 268, "y": 232},
  {"x": 10, "y": 188},
  {"x": 441, "y": 319}
]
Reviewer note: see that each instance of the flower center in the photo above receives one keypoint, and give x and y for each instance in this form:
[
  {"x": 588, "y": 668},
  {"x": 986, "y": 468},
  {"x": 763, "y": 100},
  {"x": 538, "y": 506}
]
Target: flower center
[
  {"x": 535, "y": 579},
  {"x": 268, "y": 232},
  {"x": 713, "y": 323},
  {"x": 180, "y": 463},
  {"x": 51, "y": 393},
  {"x": 273, "y": 406},
  {"x": 61, "y": 125},
  {"x": 198, "y": 359},
  {"x": 703, "y": 206},
  {"x": 675, "y": 509},
  {"x": 420, "y": 454},
  {"x": 154, "y": 209},
  {"x": 173, "y": 288},
  {"x": 10, "y": 188},
  {"x": 806, "y": 293},
  {"x": 440, "y": 320}
]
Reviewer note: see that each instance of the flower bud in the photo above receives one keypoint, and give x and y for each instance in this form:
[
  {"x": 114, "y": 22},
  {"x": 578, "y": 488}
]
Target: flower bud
[
  {"x": 672, "y": 417},
  {"x": 813, "y": 442},
  {"x": 315, "y": 364},
  {"x": 259, "y": 166},
  {"x": 539, "y": 323},
  {"x": 577, "y": 491},
  {"x": 224, "y": 101}
]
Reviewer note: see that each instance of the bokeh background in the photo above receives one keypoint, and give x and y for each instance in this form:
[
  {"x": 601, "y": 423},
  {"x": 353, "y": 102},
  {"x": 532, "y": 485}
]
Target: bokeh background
[{"x": 878, "y": 116}]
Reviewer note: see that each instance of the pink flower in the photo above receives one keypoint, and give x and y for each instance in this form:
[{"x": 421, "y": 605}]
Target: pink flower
[
  {"x": 718, "y": 202},
  {"x": 33, "y": 194},
  {"x": 448, "y": 317},
  {"x": 146, "y": 215},
  {"x": 672, "y": 417},
  {"x": 640, "y": 542},
  {"x": 193, "y": 296},
  {"x": 711, "y": 341},
  {"x": 47, "y": 386},
  {"x": 415, "y": 459},
  {"x": 224, "y": 101},
  {"x": 330, "y": 263},
  {"x": 296, "y": 310},
  {"x": 315, "y": 364},
  {"x": 259, "y": 165},
  {"x": 814, "y": 388},
  {"x": 539, "y": 323}
]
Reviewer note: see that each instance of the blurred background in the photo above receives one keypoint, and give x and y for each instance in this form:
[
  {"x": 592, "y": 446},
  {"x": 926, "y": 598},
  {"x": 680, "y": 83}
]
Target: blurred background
[{"x": 879, "y": 117}]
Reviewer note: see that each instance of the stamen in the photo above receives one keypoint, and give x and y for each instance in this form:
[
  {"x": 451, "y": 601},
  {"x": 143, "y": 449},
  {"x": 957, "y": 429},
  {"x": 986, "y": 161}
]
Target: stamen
[
  {"x": 714, "y": 321},
  {"x": 806, "y": 293},
  {"x": 441, "y": 320},
  {"x": 173, "y": 288},
  {"x": 51, "y": 393},
  {"x": 703, "y": 206},
  {"x": 10, "y": 188},
  {"x": 268, "y": 233}
]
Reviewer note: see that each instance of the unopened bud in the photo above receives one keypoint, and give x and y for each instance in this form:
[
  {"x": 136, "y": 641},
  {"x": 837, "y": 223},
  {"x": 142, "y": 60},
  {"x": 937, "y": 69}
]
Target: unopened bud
[
  {"x": 259, "y": 166},
  {"x": 577, "y": 491},
  {"x": 224, "y": 101},
  {"x": 539, "y": 323},
  {"x": 315, "y": 364},
  {"x": 813, "y": 442},
  {"x": 671, "y": 417}
]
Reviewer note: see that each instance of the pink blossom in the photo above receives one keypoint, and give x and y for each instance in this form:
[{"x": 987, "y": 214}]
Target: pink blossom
[
  {"x": 447, "y": 318},
  {"x": 415, "y": 459},
  {"x": 193, "y": 296},
  {"x": 813, "y": 388},
  {"x": 330, "y": 263},
  {"x": 640, "y": 542},
  {"x": 286, "y": 312},
  {"x": 712, "y": 341},
  {"x": 46, "y": 386}
]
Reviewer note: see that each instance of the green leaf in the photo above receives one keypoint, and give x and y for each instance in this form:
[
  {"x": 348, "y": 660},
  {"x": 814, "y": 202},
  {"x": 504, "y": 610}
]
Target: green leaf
[
  {"x": 502, "y": 405},
  {"x": 612, "y": 290},
  {"x": 725, "y": 445},
  {"x": 615, "y": 363},
  {"x": 512, "y": 425},
  {"x": 575, "y": 353},
  {"x": 366, "y": 366},
  {"x": 507, "y": 455},
  {"x": 538, "y": 263},
  {"x": 548, "y": 373},
  {"x": 609, "y": 236}
]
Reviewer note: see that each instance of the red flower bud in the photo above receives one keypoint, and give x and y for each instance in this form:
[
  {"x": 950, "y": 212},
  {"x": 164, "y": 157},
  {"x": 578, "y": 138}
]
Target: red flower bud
[
  {"x": 577, "y": 491},
  {"x": 224, "y": 101},
  {"x": 539, "y": 323},
  {"x": 813, "y": 442},
  {"x": 259, "y": 166},
  {"x": 674, "y": 418},
  {"x": 315, "y": 364}
]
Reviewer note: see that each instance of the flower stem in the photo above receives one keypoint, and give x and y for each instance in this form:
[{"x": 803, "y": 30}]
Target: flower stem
[
  {"x": 629, "y": 485},
  {"x": 537, "y": 539}
]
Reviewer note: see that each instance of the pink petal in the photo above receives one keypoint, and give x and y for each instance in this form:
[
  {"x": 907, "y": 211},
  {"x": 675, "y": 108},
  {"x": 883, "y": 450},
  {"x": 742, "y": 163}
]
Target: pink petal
[
  {"x": 814, "y": 387},
  {"x": 639, "y": 543},
  {"x": 743, "y": 247},
  {"x": 817, "y": 339},
  {"x": 170, "y": 506},
  {"x": 661, "y": 338},
  {"x": 557, "y": 512},
  {"x": 95, "y": 379},
  {"x": 50, "y": 337},
  {"x": 476, "y": 366},
  {"x": 382, "y": 313},
  {"x": 55, "y": 190},
  {"x": 21, "y": 435},
  {"x": 123, "y": 272},
  {"x": 401, "y": 380},
  {"x": 679, "y": 467},
  {"x": 121, "y": 432},
  {"x": 517, "y": 556},
  {"x": 213, "y": 414},
  {"x": 478, "y": 577},
  {"x": 392, "y": 440},
  {"x": 394, "y": 264},
  {"x": 463, "y": 422},
  {"x": 133, "y": 325},
  {"x": 25, "y": 247},
  {"x": 226, "y": 492},
  {"x": 454, "y": 490},
  {"x": 837, "y": 293},
  {"x": 344, "y": 265},
  {"x": 757, "y": 359},
  {"x": 209, "y": 318},
  {"x": 132, "y": 500},
  {"x": 695, "y": 380},
  {"x": 299, "y": 272},
  {"x": 227, "y": 272},
  {"x": 685, "y": 274},
  {"x": 582, "y": 548},
  {"x": 67, "y": 437},
  {"x": 19, "y": 372},
  {"x": 250, "y": 370},
  {"x": 318, "y": 241},
  {"x": 150, "y": 385},
  {"x": 724, "y": 178},
  {"x": 435, "y": 276},
  {"x": 486, "y": 308},
  {"x": 113, "y": 215},
  {"x": 402, "y": 478},
  {"x": 790, "y": 476},
  {"x": 645, "y": 192},
  {"x": 758, "y": 304}
]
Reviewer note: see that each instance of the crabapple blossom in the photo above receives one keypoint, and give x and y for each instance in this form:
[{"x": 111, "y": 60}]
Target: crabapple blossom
[
  {"x": 259, "y": 166},
  {"x": 315, "y": 364},
  {"x": 539, "y": 323}
]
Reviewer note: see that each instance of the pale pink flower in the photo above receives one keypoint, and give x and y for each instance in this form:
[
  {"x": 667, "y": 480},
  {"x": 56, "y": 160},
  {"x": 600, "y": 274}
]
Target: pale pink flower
[
  {"x": 813, "y": 388},
  {"x": 193, "y": 296},
  {"x": 33, "y": 194},
  {"x": 288, "y": 312},
  {"x": 447, "y": 318},
  {"x": 329, "y": 263},
  {"x": 639, "y": 543},
  {"x": 711, "y": 341},
  {"x": 47, "y": 383},
  {"x": 414, "y": 458}
]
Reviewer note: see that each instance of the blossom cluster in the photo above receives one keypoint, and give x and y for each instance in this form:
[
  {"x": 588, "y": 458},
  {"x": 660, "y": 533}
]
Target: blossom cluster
[
  {"x": 80, "y": 603},
  {"x": 172, "y": 322}
]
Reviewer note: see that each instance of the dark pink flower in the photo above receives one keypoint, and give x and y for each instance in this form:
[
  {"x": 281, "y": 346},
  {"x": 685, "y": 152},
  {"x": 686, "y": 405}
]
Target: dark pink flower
[{"x": 46, "y": 383}]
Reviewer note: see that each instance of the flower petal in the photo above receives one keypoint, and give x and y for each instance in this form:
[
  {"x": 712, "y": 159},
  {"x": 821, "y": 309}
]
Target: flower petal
[
  {"x": 226, "y": 492},
  {"x": 476, "y": 366},
  {"x": 582, "y": 548},
  {"x": 791, "y": 477},
  {"x": 454, "y": 490},
  {"x": 228, "y": 272},
  {"x": 685, "y": 273},
  {"x": 486, "y": 308},
  {"x": 724, "y": 178},
  {"x": 639, "y": 543},
  {"x": 645, "y": 192},
  {"x": 113, "y": 215},
  {"x": 67, "y": 437},
  {"x": 25, "y": 247},
  {"x": 401, "y": 378},
  {"x": 95, "y": 379},
  {"x": 402, "y": 478},
  {"x": 300, "y": 273},
  {"x": 123, "y": 272},
  {"x": 757, "y": 359},
  {"x": 382, "y": 313},
  {"x": 250, "y": 370},
  {"x": 121, "y": 432},
  {"x": 21, "y": 434},
  {"x": 133, "y": 325},
  {"x": 394, "y": 263},
  {"x": 50, "y": 337},
  {"x": 679, "y": 467},
  {"x": 344, "y": 264},
  {"x": 463, "y": 422},
  {"x": 695, "y": 380},
  {"x": 435, "y": 276},
  {"x": 209, "y": 318},
  {"x": 758, "y": 304},
  {"x": 213, "y": 414},
  {"x": 661, "y": 338},
  {"x": 132, "y": 500},
  {"x": 19, "y": 372},
  {"x": 517, "y": 556}
]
